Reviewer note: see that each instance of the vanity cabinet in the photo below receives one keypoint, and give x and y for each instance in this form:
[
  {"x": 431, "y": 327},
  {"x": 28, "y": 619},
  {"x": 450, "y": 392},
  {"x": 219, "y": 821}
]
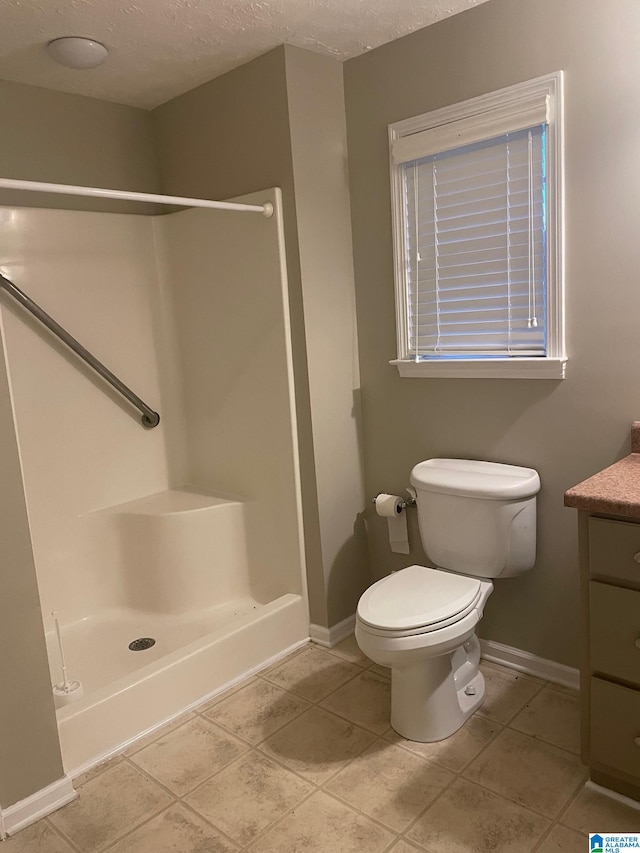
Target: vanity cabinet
[
  {"x": 611, "y": 666},
  {"x": 609, "y": 543}
]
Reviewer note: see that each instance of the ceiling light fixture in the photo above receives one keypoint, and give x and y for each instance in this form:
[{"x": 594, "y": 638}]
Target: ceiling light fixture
[{"x": 77, "y": 52}]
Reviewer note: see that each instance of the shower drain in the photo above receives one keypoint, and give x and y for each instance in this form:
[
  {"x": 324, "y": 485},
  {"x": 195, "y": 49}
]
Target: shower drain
[{"x": 141, "y": 644}]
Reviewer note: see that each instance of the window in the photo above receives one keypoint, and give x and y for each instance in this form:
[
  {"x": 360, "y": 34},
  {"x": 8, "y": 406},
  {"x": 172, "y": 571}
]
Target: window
[{"x": 477, "y": 223}]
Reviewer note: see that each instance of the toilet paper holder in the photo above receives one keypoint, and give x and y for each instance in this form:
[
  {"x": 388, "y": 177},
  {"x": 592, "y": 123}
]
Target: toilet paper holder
[{"x": 407, "y": 503}]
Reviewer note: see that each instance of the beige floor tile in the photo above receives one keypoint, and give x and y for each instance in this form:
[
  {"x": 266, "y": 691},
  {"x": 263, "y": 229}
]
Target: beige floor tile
[
  {"x": 158, "y": 733},
  {"x": 272, "y": 667},
  {"x": 201, "y": 709},
  {"x": 404, "y": 847},
  {"x": 317, "y": 744},
  {"x": 554, "y": 716},
  {"x": 312, "y": 674},
  {"x": 323, "y": 825},
  {"x": 257, "y": 711},
  {"x": 350, "y": 650},
  {"x": 507, "y": 691},
  {"x": 384, "y": 671},
  {"x": 389, "y": 784},
  {"x": 468, "y": 819},
  {"x": 563, "y": 840},
  {"x": 592, "y": 811},
  {"x": 176, "y": 830},
  {"x": 248, "y": 796},
  {"x": 528, "y": 771},
  {"x": 83, "y": 778},
  {"x": 365, "y": 700},
  {"x": 109, "y": 806},
  {"x": 188, "y": 755},
  {"x": 457, "y": 751},
  {"x": 38, "y": 838}
]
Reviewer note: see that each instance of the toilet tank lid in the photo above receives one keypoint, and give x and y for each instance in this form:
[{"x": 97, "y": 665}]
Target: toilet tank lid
[{"x": 471, "y": 478}]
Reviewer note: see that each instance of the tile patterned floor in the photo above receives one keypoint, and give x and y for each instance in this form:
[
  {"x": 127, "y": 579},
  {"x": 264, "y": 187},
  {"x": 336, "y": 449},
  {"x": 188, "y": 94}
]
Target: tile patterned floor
[{"x": 301, "y": 759}]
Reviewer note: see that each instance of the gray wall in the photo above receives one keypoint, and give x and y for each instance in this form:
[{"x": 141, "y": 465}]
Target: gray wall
[
  {"x": 319, "y": 155},
  {"x": 567, "y": 429},
  {"x": 70, "y": 139},
  {"x": 29, "y": 749}
]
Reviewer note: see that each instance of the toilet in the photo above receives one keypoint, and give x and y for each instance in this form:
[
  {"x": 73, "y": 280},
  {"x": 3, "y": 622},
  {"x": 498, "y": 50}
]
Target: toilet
[{"x": 477, "y": 522}]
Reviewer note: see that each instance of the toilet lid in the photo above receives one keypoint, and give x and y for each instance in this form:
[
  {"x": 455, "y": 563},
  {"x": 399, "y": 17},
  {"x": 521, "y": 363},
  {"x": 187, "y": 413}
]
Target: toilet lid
[{"x": 416, "y": 597}]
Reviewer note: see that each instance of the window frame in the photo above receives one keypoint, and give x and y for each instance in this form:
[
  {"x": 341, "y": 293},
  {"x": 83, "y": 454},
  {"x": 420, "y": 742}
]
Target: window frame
[{"x": 485, "y": 108}]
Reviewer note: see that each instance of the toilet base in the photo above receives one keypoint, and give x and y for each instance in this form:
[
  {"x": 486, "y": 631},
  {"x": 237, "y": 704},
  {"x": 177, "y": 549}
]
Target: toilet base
[{"x": 432, "y": 699}]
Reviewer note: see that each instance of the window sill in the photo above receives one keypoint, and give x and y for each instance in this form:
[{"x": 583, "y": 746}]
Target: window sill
[{"x": 494, "y": 368}]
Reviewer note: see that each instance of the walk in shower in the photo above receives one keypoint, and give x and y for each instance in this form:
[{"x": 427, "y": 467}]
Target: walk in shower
[{"x": 171, "y": 555}]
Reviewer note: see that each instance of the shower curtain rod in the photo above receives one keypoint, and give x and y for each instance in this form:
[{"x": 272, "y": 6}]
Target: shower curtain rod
[{"x": 265, "y": 209}]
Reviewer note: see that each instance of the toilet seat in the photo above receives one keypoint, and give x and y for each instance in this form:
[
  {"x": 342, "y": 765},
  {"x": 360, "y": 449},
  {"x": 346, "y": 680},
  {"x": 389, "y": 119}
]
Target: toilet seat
[{"x": 418, "y": 600}]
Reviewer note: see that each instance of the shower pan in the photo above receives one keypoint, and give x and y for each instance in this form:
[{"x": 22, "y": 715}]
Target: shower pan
[{"x": 172, "y": 556}]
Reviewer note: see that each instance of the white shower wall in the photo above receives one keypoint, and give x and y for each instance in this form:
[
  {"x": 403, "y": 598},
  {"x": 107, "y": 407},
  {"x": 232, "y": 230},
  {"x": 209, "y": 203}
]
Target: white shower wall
[
  {"x": 188, "y": 309},
  {"x": 221, "y": 271},
  {"x": 82, "y": 449}
]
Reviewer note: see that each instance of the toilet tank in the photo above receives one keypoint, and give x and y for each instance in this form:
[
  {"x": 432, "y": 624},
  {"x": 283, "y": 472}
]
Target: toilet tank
[{"x": 477, "y": 518}]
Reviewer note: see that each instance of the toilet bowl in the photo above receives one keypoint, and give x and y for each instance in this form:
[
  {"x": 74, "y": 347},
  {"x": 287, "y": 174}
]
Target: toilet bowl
[
  {"x": 429, "y": 643},
  {"x": 478, "y": 518}
]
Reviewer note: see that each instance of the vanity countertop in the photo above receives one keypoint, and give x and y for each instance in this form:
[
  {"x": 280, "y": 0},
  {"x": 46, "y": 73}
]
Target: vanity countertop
[{"x": 614, "y": 491}]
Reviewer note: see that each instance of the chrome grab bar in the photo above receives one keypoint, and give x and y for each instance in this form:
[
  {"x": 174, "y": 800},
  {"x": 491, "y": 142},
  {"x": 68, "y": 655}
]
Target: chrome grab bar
[{"x": 150, "y": 418}]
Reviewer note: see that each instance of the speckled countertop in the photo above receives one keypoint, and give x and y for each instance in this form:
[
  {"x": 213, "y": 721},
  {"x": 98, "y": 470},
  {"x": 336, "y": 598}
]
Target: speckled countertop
[{"x": 616, "y": 490}]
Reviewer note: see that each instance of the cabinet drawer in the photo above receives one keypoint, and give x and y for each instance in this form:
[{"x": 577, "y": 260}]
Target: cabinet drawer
[
  {"x": 615, "y": 726},
  {"x": 614, "y": 549},
  {"x": 614, "y": 627}
]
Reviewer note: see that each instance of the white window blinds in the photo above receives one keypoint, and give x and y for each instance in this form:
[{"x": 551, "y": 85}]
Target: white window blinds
[{"x": 475, "y": 249}]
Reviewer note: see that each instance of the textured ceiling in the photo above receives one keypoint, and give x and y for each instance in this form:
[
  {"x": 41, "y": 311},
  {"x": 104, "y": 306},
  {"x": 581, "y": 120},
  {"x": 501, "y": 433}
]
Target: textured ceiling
[{"x": 161, "y": 48}]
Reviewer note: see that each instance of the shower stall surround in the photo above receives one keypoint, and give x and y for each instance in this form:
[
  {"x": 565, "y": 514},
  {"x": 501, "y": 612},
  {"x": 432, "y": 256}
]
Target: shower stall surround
[{"x": 188, "y": 534}]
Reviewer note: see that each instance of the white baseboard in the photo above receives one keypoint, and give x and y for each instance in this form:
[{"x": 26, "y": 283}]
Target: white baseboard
[
  {"x": 329, "y": 637},
  {"x": 530, "y": 664},
  {"x": 38, "y": 805},
  {"x": 508, "y": 656},
  {"x": 613, "y": 795}
]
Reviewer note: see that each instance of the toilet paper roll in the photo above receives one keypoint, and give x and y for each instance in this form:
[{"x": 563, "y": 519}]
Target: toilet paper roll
[
  {"x": 391, "y": 507},
  {"x": 388, "y": 506}
]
